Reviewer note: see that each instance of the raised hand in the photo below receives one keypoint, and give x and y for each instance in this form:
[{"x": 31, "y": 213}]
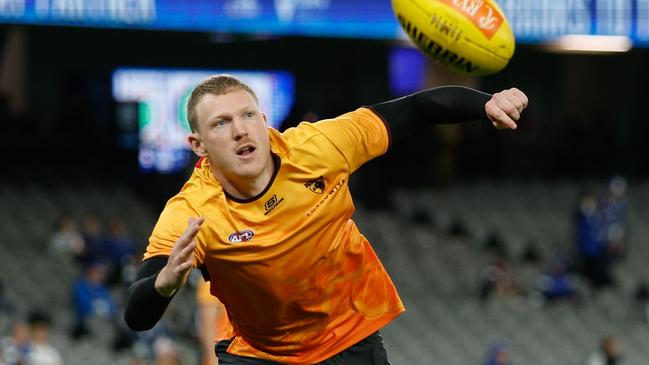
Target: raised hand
[
  {"x": 181, "y": 261},
  {"x": 504, "y": 108}
]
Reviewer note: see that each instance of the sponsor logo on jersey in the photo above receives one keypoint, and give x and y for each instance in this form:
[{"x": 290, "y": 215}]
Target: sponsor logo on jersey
[
  {"x": 316, "y": 186},
  {"x": 331, "y": 192},
  {"x": 272, "y": 203},
  {"x": 241, "y": 236}
]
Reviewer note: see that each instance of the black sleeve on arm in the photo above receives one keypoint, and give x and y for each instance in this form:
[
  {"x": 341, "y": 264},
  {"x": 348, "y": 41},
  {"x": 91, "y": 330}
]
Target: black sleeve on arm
[
  {"x": 144, "y": 305},
  {"x": 446, "y": 104}
]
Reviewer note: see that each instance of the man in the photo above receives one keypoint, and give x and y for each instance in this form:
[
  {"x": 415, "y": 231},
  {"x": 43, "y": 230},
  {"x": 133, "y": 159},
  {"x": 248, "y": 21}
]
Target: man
[{"x": 266, "y": 216}]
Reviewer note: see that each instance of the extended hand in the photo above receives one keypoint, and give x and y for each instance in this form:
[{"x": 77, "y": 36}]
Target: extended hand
[
  {"x": 181, "y": 261},
  {"x": 504, "y": 108}
]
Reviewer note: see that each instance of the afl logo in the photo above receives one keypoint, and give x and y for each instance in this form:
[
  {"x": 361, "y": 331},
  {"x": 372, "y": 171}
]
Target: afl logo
[{"x": 241, "y": 236}]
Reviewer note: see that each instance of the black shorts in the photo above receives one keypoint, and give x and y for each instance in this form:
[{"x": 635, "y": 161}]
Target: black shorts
[{"x": 369, "y": 351}]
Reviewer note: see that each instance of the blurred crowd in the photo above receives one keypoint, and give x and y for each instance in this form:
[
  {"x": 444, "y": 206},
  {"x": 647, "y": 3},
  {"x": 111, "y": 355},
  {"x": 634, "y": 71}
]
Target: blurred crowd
[
  {"x": 28, "y": 343},
  {"x": 599, "y": 231},
  {"x": 105, "y": 262},
  {"x": 105, "y": 257}
]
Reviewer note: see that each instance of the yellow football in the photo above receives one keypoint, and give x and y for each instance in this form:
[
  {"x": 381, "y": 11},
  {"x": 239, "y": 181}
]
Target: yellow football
[{"x": 469, "y": 36}]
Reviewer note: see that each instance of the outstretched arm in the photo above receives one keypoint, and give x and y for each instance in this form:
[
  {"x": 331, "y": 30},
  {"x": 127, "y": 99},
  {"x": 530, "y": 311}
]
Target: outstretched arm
[
  {"x": 158, "y": 279},
  {"x": 451, "y": 104},
  {"x": 144, "y": 305}
]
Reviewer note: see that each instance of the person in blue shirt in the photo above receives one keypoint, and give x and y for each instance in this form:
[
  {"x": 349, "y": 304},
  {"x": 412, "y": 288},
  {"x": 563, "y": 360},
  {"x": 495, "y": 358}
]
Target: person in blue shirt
[{"x": 91, "y": 298}]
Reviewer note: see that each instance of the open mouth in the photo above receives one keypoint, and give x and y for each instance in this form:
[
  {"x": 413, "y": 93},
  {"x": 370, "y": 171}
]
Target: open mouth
[{"x": 245, "y": 150}]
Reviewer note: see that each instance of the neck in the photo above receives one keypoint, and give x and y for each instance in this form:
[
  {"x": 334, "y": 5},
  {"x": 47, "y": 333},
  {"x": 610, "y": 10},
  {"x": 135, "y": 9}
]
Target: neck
[{"x": 246, "y": 187}]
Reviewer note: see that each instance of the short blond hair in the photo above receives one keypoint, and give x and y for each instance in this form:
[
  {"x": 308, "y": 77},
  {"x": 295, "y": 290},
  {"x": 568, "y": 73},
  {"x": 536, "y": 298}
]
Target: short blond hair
[{"x": 214, "y": 85}]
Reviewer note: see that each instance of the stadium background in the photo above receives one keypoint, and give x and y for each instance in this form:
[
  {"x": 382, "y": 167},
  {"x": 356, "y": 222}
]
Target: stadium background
[{"x": 434, "y": 208}]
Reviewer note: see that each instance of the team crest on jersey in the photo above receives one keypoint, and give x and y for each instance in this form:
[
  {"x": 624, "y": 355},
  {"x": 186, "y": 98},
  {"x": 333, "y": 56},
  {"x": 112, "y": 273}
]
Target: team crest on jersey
[
  {"x": 241, "y": 236},
  {"x": 330, "y": 194},
  {"x": 317, "y": 186}
]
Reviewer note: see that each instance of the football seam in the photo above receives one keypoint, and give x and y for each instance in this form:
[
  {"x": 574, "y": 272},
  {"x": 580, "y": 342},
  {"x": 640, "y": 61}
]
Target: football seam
[{"x": 468, "y": 40}]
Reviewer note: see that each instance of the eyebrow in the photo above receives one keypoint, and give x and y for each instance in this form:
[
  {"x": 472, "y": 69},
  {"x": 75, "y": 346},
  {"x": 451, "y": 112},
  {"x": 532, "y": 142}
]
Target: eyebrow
[{"x": 245, "y": 109}]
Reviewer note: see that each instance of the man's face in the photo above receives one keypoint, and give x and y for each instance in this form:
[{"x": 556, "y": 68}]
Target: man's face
[{"x": 233, "y": 133}]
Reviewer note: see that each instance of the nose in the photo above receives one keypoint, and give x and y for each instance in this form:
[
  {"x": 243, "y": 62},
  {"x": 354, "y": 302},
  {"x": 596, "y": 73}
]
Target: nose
[{"x": 238, "y": 128}]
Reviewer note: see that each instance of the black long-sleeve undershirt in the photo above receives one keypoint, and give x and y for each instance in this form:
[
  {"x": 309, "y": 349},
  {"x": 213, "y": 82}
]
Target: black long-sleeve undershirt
[
  {"x": 447, "y": 104},
  {"x": 144, "y": 305},
  {"x": 440, "y": 105}
]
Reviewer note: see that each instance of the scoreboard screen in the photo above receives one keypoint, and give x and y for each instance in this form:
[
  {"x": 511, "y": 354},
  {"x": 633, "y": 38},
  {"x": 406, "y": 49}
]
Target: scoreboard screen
[{"x": 157, "y": 98}]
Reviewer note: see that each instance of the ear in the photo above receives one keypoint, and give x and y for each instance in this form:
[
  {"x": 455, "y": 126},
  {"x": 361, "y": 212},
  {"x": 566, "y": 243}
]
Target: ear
[
  {"x": 197, "y": 145},
  {"x": 265, "y": 119}
]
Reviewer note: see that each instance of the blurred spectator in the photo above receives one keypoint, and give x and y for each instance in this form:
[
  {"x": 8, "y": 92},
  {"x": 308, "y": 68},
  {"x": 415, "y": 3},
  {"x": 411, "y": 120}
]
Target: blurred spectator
[
  {"x": 95, "y": 245},
  {"x": 558, "y": 284},
  {"x": 165, "y": 352},
  {"x": 498, "y": 355},
  {"x": 120, "y": 252},
  {"x": 144, "y": 345},
  {"x": 66, "y": 241},
  {"x": 124, "y": 337},
  {"x": 15, "y": 348},
  {"x": 609, "y": 353},
  {"x": 613, "y": 208},
  {"x": 129, "y": 271},
  {"x": 497, "y": 281},
  {"x": 592, "y": 246},
  {"x": 91, "y": 298},
  {"x": 42, "y": 352}
]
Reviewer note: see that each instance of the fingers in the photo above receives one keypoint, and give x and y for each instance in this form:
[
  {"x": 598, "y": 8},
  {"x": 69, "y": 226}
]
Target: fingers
[
  {"x": 197, "y": 220},
  {"x": 182, "y": 257},
  {"x": 181, "y": 261},
  {"x": 499, "y": 118},
  {"x": 193, "y": 226},
  {"x": 505, "y": 108},
  {"x": 520, "y": 99},
  {"x": 186, "y": 255},
  {"x": 184, "y": 267}
]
